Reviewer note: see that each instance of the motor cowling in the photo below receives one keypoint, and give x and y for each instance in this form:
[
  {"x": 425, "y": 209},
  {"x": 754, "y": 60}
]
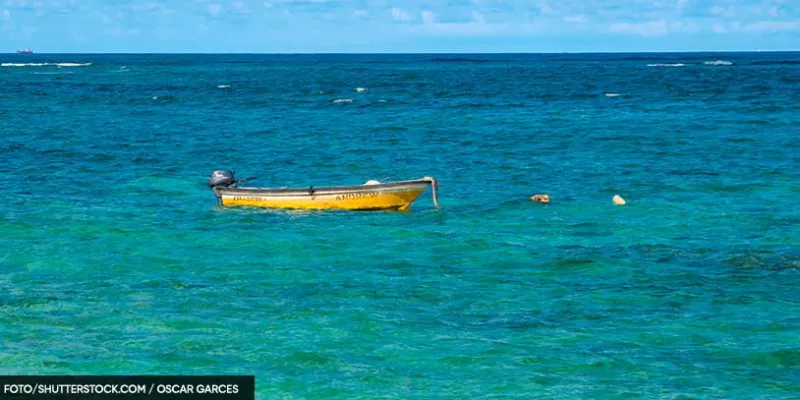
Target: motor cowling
[{"x": 221, "y": 178}]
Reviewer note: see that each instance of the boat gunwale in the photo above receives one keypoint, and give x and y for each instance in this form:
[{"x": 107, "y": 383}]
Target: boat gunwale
[{"x": 327, "y": 190}]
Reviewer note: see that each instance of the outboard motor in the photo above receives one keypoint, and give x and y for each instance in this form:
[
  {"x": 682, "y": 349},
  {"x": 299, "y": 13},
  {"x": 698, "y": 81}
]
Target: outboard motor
[{"x": 222, "y": 178}]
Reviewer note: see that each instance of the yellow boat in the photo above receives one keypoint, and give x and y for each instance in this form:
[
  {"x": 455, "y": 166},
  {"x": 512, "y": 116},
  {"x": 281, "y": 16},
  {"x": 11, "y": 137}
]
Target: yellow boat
[{"x": 371, "y": 196}]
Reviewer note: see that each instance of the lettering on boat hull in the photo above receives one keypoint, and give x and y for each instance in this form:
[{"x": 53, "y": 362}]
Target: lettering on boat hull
[
  {"x": 353, "y": 196},
  {"x": 245, "y": 198}
]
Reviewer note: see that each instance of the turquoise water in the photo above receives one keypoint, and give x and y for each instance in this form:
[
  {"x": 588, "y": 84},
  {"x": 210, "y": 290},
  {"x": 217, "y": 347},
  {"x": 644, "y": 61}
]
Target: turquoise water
[{"x": 115, "y": 258}]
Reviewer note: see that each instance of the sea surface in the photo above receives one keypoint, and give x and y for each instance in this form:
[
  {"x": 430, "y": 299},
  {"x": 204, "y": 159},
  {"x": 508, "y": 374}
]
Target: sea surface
[{"x": 115, "y": 258}]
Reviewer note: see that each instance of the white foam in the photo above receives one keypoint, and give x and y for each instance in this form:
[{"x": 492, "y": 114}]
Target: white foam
[
  {"x": 612, "y": 94},
  {"x": 718, "y": 62},
  {"x": 343, "y": 101},
  {"x": 666, "y": 65},
  {"x": 223, "y": 86},
  {"x": 45, "y": 64},
  {"x": 361, "y": 89}
]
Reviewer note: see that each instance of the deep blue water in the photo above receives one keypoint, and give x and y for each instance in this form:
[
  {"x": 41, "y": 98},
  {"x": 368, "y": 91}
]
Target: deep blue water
[{"x": 115, "y": 259}]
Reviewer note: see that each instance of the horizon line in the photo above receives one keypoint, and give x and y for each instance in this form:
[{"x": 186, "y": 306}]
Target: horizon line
[{"x": 416, "y": 53}]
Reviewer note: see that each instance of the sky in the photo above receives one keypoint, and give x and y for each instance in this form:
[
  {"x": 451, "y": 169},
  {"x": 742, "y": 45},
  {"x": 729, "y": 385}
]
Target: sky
[{"x": 397, "y": 26}]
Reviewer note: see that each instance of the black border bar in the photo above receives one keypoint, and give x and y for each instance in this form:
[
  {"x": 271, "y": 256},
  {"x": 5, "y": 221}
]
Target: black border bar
[{"x": 128, "y": 387}]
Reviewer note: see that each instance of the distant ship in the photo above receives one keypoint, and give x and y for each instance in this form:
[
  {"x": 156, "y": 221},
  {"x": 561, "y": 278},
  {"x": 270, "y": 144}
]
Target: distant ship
[{"x": 26, "y": 51}]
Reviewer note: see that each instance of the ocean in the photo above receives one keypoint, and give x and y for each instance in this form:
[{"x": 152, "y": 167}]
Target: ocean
[{"x": 116, "y": 258}]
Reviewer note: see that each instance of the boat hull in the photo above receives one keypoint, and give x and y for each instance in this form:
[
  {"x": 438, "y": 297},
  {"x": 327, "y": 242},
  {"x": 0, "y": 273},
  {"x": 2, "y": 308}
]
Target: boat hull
[{"x": 391, "y": 196}]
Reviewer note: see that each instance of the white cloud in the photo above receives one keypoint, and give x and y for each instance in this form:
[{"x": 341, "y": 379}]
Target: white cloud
[
  {"x": 400, "y": 15},
  {"x": 480, "y": 29},
  {"x": 716, "y": 10},
  {"x": 428, "y": 17},
  {"x": 478, "y": 17},
  {"x": 575, "y": 18},
  {"x": 546, "y": 9},
  {"x": 6, "y": 14},
  {"x": 360, "y": 13},
  {"x": 719, "y": 28},
  {"x": 680, "y": 6},
  {"x": 122, "y": 32},
  {"x": 465, "y": 29},
  {"x": 650, "y": 28},
  {"x": 772, "y": 26},
  {"x": 144, "y": 7},
  {"x": 214, "y": 9},
  {"x": 683, "y": 26},
  {"x": 240, "y": 6},
  {"x": 267, "y": 4}
]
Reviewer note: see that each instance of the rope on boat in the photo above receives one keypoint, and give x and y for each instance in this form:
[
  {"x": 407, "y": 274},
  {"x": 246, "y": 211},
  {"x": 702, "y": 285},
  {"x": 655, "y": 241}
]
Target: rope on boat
[{"x": 434, "y": 186}]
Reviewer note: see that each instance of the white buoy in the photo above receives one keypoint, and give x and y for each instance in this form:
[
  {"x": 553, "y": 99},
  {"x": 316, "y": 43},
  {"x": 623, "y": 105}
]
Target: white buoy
[{"x": 618, "y": 200}]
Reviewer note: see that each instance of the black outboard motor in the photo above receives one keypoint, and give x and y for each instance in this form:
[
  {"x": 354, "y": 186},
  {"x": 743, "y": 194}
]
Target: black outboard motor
[{"x": 222, "y": 178}]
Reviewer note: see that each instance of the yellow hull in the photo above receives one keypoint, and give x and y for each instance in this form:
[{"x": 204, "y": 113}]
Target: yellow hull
[{"x": 389, "y": 196}]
